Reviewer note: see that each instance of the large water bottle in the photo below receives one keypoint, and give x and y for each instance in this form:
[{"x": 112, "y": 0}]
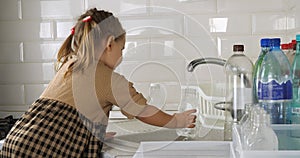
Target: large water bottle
[
  {"x": 295, "y": 117},
  {"x": 190, "y": 100},
  {"x": 265, "y": 48},
  {"x": 275, "y": 84},
  {"x": 238, "y": 70}
]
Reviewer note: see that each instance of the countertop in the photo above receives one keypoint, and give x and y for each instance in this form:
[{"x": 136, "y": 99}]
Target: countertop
[{"x": 130, "y": 133}]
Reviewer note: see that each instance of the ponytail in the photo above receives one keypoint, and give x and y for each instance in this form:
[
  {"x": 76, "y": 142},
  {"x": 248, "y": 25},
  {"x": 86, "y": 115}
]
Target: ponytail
[{"x": 64, "y": 52}]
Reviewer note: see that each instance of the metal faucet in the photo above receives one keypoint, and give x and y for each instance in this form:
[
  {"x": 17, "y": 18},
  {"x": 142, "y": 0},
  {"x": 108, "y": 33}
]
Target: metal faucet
[
  {"x": 217, "y": 61},
  {"x": 191, "y": 66}
]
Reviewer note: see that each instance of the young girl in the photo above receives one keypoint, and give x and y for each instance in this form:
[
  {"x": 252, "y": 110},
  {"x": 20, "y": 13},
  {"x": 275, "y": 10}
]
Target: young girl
[{"x": 70, "y": 117}]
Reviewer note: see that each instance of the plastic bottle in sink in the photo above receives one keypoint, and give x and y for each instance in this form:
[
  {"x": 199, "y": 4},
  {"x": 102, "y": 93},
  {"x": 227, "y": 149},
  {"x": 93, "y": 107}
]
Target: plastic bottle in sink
[{"x": 190, "y": 100}]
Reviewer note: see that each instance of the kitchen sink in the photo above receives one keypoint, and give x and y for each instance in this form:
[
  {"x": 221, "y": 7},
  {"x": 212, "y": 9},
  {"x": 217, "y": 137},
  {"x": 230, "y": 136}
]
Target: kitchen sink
[{"x": 131, "y": 133}]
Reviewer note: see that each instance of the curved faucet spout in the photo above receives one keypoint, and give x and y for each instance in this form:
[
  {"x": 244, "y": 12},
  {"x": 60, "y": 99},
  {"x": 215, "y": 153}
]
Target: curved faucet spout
[{"x": 217, "y": 61}]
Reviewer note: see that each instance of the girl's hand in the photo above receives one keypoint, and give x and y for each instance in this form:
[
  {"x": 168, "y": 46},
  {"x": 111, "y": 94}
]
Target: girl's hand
[{"x": 185, "y": 119}]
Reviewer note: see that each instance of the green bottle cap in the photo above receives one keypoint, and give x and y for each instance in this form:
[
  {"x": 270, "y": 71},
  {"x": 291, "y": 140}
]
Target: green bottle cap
[{"x": 298, "y": 37}]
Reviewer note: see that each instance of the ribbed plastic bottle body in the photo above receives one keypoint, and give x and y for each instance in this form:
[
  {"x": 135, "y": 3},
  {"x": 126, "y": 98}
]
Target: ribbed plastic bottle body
[
  {"x": 265, "y": 48},
  {"x": 262, "y": 136},
  {"x": 190, "y": 100},
  {"x": 275, "y": 84},
  {"x": 295, "y": 116}
]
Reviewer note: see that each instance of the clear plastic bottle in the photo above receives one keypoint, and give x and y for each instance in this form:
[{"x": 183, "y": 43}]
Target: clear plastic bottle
[
  {"x": 293, "y": 45},
  {"x": 190, "y": 100},
  {"x": 247, "y": 126},
  {"x": 262, "y": 136},
  {"x": 238, "y": 70},
  {"x": 288, "y": 50},
  {"x": 246, "y": 115},
  {"x": 275, "y": 84},
  {"x": 285, "y": 47},
  {"x": 295, "y": 116},
  {"x": 245, "y": 120},
  {"x": 265, "y": 48}
]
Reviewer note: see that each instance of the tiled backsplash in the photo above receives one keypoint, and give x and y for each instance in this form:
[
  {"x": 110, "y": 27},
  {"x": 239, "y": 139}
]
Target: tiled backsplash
[{"x": 163, "y": 36}]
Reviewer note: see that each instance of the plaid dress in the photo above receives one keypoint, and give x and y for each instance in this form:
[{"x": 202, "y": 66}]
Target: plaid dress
[{"x": 53, "y": 129}]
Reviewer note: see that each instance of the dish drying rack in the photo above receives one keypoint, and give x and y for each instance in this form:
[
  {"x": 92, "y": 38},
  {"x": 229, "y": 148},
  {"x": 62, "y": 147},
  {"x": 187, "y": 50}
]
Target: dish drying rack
[{"x": 209, "y": 94}]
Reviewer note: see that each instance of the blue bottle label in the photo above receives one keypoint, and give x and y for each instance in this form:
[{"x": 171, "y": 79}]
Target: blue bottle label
[{"x": 274, "y": 91}]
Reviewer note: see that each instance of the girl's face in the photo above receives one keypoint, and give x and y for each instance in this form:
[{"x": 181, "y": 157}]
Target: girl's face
[{"x": 112, "y": 56}]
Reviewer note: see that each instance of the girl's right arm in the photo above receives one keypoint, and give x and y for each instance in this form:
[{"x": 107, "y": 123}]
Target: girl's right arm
[{"x": 153, "y": 116}]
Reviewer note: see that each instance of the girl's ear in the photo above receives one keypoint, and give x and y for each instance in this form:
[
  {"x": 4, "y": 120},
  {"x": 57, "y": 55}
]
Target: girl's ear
[{"x": 109, "y": 42}]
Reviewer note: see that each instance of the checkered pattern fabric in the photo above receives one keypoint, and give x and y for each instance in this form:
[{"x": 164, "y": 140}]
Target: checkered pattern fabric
[{"x": 52, "y": 129}]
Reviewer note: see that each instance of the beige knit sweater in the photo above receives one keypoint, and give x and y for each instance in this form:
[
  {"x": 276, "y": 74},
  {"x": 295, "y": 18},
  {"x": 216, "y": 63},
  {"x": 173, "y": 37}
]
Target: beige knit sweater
[{"x": 94, "y": 91}]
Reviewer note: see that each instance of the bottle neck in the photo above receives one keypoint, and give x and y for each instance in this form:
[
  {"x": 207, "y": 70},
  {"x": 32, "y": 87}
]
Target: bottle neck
[
  {"x": 265, "y": 50},
  {"x": 238, "y": 52},
  {"x": 272, "y": 48}
]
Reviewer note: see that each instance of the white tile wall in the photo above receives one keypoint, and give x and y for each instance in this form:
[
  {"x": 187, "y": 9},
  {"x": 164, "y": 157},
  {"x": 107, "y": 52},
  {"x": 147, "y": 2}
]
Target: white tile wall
[
  {"x": 11, "y": 52},
  {"x": 22, "y": 30},
  {"x": 40, "y": 51},
  {"x": 180, "y": 47},
  {"x": 154, "y": 70},
  {"x": 12, "y": 94},
  {"x": 252, "y": 6},
  {"x": 184, "y": 6},
  {"x": 297, "y": 16},
  {"x": 166, "y": 49},
  {"x": 153, "y": 25},
  {"x": 11, "y": 7},
  {"x": 23, "y": 73},
  {"x": 136, "y": 49},
  {"x": 206, "y": 46},
  {"x": 120, "y": 7},
  {"x": 33, "y": 91},
  {"x": 52, "y": 9},
  {"x": 162, "y": 37},
  {"x": 205, "y": 74},
  {"x": 64, "y": 29},
  {"x": 269, "y": 23}
]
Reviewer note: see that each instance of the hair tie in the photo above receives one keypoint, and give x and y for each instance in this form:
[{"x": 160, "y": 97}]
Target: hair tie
[
  {"x": 73, "y": 30},
  {"x": 87, "y": 19}
]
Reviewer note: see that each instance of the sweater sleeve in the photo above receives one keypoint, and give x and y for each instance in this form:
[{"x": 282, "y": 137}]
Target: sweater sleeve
[
  {"x": 113, "y": 88},
  {"x": 124, "y": 95}
]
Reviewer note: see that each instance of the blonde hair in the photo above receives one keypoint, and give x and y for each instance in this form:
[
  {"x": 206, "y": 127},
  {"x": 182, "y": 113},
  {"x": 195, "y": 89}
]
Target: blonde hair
[{"x": 87, "y": 39}]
